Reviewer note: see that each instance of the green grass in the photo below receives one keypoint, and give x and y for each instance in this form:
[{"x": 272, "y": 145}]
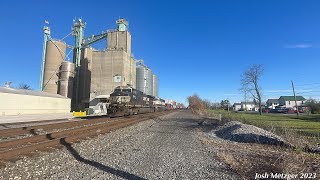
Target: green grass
[{"x": 306, "y": 125}]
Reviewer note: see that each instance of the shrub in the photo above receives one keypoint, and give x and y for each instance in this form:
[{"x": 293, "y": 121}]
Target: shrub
[{"x": 314, "y": 106}]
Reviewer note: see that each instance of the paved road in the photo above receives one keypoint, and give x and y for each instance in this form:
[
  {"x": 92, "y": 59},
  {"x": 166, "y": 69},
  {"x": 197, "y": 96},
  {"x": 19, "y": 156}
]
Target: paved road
[{"x": 164, "y": 148}]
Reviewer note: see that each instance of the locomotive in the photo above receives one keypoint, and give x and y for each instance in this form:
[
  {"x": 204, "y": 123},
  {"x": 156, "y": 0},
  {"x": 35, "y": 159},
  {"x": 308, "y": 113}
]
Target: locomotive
[{"x": 126, "y": 100}]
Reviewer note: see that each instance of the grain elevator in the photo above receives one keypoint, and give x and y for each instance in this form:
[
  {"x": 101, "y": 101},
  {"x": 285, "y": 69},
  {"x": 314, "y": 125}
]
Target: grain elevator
[{"x": 93, "y": 72}]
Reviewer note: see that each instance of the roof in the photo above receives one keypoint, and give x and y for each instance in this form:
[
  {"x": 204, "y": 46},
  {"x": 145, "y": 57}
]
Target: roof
[
  {"x": 236, "y": 104},
  {"x": 291, "y": 98},
  {"x": 102, "y": 97},
  {"x": 272, "y": 100},
  {"x": 29, "y": 92},
  {"x": 247, "y": 103}
]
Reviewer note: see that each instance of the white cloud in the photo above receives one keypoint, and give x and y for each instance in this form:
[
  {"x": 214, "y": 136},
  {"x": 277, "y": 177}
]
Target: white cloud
[{"x": 299, "y": 46}]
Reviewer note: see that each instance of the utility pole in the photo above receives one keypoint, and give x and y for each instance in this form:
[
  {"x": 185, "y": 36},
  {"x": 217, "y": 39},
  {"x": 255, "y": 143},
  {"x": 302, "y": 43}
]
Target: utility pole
[
  {"x": 245, "y": 100},
  {"x": 295, "y": 99},
  {"x": 228, "y": 106}
]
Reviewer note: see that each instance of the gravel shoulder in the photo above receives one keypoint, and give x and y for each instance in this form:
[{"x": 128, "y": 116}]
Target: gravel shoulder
[{"x": 169, "y": 147}]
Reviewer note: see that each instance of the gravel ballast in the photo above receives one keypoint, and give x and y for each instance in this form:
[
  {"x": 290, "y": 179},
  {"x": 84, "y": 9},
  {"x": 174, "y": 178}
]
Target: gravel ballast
[
  {"x": 164, "y": 148},
  {"x": 244, "y": 133}
]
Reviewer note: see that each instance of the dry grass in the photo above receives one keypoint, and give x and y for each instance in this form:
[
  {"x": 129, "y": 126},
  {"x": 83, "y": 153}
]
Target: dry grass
[
  {"x": 248, "y": 159},
  {"x": 298, "y": 132}
]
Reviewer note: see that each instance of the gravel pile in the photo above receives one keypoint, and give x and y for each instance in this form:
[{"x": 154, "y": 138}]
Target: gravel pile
[
  {"x": 162, "y": 148},
  {"x": 239, "y": 132}
]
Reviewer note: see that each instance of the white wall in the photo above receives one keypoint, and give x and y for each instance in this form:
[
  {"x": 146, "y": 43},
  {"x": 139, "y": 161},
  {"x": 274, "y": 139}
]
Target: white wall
[
  {"x": 292, "y": 104},
  {"x": 237, "y": 107},
  {"x": 273, "y": 105},
  {"x": 249, "y": 106},
  {"x": 14, "y": 104}
]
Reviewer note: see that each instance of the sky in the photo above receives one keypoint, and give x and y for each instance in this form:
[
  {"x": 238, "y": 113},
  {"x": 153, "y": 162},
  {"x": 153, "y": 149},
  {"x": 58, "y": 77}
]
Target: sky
[{"x": 199, "y": 47}]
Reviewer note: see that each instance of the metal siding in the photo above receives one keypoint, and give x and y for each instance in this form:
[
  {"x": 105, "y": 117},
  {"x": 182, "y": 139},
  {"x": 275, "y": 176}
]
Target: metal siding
[
  {"x": 149, "y": 82},
  {"x": 32, "y": 104},
  {"x": 144, "y": 80},
  {"x": 155, "y": 86}
]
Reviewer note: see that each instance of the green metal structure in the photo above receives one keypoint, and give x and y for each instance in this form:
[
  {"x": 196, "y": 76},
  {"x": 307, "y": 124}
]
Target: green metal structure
[
  {"x": 81, "y": 43},
  {"x": 46, "y": 31}
]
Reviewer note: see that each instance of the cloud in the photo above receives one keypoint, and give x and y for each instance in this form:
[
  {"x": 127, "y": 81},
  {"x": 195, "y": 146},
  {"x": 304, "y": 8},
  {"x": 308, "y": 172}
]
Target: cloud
[{"x": 299, "y": 46}]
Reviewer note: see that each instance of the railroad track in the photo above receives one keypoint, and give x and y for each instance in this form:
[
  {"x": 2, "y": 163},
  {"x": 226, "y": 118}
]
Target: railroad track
[
  {"x": 14, "y": 149},
  {"x": 31, "y": 123},
  {"x": 45, "y": 127}
]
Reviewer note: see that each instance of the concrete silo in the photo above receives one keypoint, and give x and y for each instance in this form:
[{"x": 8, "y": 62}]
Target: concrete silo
[
  {"x": 66, "y": 79},
  {"x": 55, "y": 55},
  {"x": 114, "y": 66}
]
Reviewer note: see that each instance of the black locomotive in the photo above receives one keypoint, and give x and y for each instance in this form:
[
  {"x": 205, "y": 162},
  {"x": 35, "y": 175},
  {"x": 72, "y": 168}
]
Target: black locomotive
[{"x": 125, "y": 101}]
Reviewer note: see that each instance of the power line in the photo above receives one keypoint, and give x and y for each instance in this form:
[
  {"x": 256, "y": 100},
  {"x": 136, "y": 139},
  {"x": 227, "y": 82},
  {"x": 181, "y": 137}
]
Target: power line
[{"x": 308, "y": 84}]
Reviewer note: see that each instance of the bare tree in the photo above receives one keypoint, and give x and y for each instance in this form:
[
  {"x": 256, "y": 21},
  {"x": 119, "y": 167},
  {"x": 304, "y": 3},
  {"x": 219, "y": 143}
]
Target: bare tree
[
  {"x": 196, "y": 104},
  {"x": 207, "y": 103},
  {"x": 24, "y": 86},
  {"x": 251, "y": 81}
]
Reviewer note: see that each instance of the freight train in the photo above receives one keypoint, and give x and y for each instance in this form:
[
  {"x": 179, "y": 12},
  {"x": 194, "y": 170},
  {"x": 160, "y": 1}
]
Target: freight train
[{"x": 126, "y": 101}]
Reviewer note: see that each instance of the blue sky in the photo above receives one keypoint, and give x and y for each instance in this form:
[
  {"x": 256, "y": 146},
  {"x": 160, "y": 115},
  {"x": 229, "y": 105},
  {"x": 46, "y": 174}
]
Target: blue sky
[{"x": 193, "y": 46}]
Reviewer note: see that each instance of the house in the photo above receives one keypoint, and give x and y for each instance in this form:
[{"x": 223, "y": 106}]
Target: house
[
  {"x": 288, "y": 101},
  {"x": 248, "y": 106},
  {"x": 236, "y": 106},
  {"x": 272, "y": 103}
]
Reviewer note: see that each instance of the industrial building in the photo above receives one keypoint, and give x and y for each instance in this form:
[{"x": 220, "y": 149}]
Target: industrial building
[
  {"x": 93, "y": 73},
  {"x": 114, "y": 66},
  {"x": 20, "y": 101}
]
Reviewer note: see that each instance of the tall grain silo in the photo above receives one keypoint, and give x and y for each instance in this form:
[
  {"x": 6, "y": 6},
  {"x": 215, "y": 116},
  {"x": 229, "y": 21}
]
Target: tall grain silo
[
  {"x": 55, "y": 55},
  {"x": 155, "y": 86},
  {"x": 66, "y": 79},
  {"x": 144, "y": 80}
]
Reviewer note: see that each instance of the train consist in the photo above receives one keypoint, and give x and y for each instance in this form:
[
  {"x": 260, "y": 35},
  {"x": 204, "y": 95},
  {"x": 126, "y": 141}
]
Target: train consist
[{"x": 125, "y": 101}]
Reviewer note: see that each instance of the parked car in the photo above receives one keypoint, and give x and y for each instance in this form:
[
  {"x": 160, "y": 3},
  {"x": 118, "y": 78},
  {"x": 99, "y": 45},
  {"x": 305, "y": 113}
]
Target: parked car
[
  {"x": 278, "y": 109},
  {"x": 289, "y": 111},
  {"x": 266, "y": 110}
]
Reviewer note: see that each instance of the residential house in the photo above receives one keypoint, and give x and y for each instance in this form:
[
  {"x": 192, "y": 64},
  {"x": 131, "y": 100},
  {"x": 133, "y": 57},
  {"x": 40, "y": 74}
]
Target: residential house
[
  {"x": 288, "y": 101},
  {"x": 249, "y": 106},
  {"x": 237, "y": 106},
  {"x": 272, "y": 103}
]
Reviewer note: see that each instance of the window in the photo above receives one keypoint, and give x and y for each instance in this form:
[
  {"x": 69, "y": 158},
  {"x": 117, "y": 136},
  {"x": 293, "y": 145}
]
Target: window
[{"x": 289, "y": 102}]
